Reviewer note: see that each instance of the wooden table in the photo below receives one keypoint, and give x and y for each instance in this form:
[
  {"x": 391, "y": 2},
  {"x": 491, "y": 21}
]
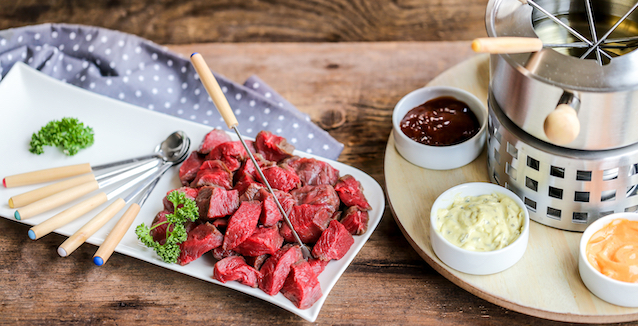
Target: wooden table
[{"x": 349, "y": 89}]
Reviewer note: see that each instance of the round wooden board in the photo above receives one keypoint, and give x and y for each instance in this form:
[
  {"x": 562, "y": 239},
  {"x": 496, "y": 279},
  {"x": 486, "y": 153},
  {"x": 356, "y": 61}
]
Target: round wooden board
[{"x": 545, "y": 283}]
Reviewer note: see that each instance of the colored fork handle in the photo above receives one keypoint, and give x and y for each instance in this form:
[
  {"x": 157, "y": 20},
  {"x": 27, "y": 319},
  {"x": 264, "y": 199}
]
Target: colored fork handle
[
  {"x": 46, "y": 175},
  {"x": 106, "y": 249},
  {"x": 65, "y": 217},
  {"x": 46, "y": 191},
  {"x": 503, "y": 45},
  {"x": 57, "y": 200},
  {"x": 80, "y": 236},
  {"x": 213, "y": 89}
]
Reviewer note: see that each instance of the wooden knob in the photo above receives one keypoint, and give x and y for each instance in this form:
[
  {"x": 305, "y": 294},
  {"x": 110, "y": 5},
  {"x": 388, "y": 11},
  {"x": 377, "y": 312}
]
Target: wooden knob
[
  {"x": 562, "y": 125},
  {"x": 496, "y": 45}
]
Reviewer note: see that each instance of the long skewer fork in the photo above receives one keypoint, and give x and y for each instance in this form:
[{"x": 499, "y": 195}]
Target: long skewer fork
[
  {"x": 562, "y": 24},
  {"x": 604, "y": 37},
  {"x": 215, "y": 92}
]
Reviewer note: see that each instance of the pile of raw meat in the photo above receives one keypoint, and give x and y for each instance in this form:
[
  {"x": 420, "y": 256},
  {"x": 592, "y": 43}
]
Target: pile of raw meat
[{"x": 239, "y": 221}]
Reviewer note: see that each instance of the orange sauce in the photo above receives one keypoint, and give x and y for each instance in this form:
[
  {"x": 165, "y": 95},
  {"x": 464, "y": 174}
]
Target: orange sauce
[{"x": 613, "y": 250}]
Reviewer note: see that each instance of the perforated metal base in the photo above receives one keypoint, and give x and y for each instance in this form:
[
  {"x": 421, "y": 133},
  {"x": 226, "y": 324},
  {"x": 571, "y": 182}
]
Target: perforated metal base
[{"x": 562, "y": 188}]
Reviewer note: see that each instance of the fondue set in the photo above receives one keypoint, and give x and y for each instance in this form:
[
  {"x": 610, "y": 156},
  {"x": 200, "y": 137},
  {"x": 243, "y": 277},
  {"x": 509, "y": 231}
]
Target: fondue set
[{"x": 563, "y": 120}]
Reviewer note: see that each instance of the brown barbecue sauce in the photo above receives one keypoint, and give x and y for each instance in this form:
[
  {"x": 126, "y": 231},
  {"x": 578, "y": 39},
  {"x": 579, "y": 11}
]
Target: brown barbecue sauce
[{"x": 442, "y": 121}]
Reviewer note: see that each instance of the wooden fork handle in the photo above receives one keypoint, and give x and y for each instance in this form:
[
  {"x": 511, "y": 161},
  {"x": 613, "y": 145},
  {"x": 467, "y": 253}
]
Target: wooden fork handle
[
  {"x": 46, "y": 191},
  {"x": 213, "y": 89},
  {"x": 115, "y": 236},
  {"x": 86, "y": 231},
  {"x": 66, "y": 216},
  {"x": 45, "y": 175},
  {"x": 503, "y": 45},
  {"x": 56, "y": 200}
]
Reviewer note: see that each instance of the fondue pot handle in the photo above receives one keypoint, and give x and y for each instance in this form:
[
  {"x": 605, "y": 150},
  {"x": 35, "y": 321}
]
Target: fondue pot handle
[
  {"x": 506, "y": 44},
  {"x": 562, "y": 125}
]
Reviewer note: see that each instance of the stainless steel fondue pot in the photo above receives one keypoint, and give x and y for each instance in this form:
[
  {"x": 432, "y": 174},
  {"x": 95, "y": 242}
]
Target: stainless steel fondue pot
[{"x": 563, "y": 128}]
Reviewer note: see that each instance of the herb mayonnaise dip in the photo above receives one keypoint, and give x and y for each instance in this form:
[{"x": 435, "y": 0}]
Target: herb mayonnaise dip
[{"x": 481, "y": 223}]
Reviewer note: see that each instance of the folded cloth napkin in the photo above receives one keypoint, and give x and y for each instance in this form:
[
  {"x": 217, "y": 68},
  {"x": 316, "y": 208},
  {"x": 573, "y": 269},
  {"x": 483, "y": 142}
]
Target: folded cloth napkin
[{"x": 140, "y": 72}]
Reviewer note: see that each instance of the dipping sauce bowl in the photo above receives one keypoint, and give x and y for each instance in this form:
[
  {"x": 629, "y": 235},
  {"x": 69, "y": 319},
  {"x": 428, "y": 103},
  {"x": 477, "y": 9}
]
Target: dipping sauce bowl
[
  {"x": 606, "y": 288},
  {"x": 438, "y": 157},
  {"x": 477, "y": 262}
]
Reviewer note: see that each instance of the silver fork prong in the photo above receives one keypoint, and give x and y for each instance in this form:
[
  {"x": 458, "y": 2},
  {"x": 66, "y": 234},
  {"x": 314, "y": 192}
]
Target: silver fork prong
[
  {"x": 604, "y": 37},
  {"x": 592, "y": 29},
  {"x": 557, "y": 21}
]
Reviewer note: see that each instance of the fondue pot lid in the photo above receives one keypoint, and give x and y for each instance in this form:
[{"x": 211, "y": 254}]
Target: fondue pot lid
[{"x": 518, "y": 19}]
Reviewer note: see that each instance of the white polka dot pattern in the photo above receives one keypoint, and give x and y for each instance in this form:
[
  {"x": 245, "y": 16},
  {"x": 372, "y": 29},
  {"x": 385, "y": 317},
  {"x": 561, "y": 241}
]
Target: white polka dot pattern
[{"x": 115, "y": 64}]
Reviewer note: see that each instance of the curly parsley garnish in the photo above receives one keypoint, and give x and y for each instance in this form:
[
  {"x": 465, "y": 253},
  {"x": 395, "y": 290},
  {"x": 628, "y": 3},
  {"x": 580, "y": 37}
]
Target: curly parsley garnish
[
  {"x": 185, "y": 210},
  {"x": 68, "y": 133}
]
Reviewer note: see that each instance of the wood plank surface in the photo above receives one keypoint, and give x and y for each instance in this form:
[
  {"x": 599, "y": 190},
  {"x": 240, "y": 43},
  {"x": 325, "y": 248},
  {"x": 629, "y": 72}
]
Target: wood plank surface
[
  {"x": 196, "y": 21},
  {"x": 388, "y": 282}
]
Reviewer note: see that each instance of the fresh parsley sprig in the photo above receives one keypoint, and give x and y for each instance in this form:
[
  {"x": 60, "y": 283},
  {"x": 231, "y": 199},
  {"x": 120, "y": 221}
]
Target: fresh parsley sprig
[
  {"x": 69, "y": 134},
  {"x": 185, "y": 209}
]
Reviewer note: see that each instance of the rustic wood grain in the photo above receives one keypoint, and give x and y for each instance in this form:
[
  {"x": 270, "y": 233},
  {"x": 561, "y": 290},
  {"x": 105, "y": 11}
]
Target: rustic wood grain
[
  {"x": 182, "y": 22},
  {"x": 388, "y": 282}
]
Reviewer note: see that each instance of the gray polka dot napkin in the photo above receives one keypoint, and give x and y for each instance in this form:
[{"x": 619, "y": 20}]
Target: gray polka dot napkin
[{"x": 140, "y": 72}]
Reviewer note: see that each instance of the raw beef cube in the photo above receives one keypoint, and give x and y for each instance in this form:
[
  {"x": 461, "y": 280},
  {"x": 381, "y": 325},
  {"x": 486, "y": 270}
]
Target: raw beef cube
[
  {"x": 159, "y": 233},
  {"x": 219, "y": 253},
  {"x": 248, "y": 168},
  {"x": 231, "y": 153},
  {"x": 313, "y": 172},
  {"x": 242, "y": 224},
  {"x": 309, "y": 221},
  {"x": 251, "y": 191},
  {"x": 188, "y": 170},
  {"x": 245, "y": 182},
  {"x": 265, "y": 240},
  {"x": 276, "y": 268},
  {"x": 212, "y": 139},
  {"x": 355, "y": 221},
  {"x": 234, "y": 268},
  {"x": 201, "y": 239},
  {"x": 273, "y": 147},
  {"x": 351, "y": 192},
  {"x": 213, "y": 173},
  {"x": 190, "y": 193},
  {"x": 334, "y": 242},
  {"x": 281, "y": 177},
  {"x": 216, "y": 202},
  {"x": 256, "y": 262},
  {"x": 270, "y": 214},
  {"x": 301, "y": 286},
  {"x": 318, "y": 265},
  {"x": 317, "y": 195},
  {"x": 220, "y": 223}
]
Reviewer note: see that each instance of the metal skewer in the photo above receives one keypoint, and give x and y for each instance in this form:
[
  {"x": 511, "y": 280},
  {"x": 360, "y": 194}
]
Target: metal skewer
[
  {"x": 602, "y": 39},
  {"x": 592, "y": 28},
  {"x": 559, "y": 22},
  {"x": 215, "y": 92}
]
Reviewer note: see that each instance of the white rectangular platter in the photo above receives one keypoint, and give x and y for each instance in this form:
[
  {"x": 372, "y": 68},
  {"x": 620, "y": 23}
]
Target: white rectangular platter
[{"x": 30, "y": 99}]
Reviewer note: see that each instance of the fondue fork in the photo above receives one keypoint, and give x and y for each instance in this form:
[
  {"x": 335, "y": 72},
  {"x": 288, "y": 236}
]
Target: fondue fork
[
  {"x": 46, "y": 191},
  {"x": 562, "y": 24},
  {"x": 84, "y": 207},
  {"x": 68, "y": 195},
  {"x": 215, "y": 92},
  {"x": 604, "y": 37}
]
